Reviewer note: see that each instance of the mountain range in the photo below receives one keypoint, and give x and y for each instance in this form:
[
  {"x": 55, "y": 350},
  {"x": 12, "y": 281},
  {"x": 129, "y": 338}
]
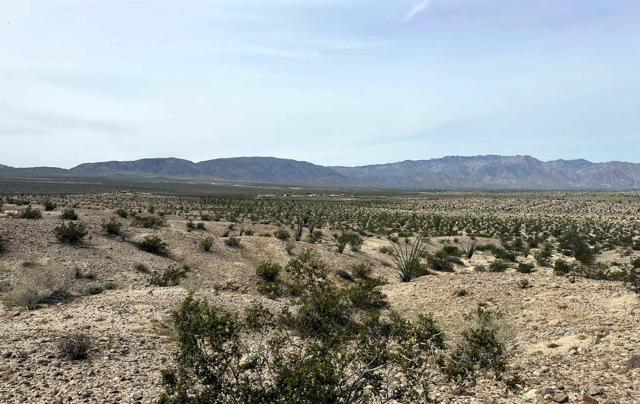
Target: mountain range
[{"x": 452, "y": 172}]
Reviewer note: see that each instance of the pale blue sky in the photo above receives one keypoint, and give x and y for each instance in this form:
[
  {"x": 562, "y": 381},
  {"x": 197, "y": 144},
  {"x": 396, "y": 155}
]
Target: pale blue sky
[{"x": 332, "y": 82}]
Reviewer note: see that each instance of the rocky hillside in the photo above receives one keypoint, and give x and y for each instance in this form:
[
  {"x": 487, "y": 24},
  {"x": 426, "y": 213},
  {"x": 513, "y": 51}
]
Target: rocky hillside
[{"x": 455, "y": 172}]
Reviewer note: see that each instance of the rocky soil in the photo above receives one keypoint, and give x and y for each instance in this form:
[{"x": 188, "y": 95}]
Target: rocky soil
[{"x": 575, "y": 342}]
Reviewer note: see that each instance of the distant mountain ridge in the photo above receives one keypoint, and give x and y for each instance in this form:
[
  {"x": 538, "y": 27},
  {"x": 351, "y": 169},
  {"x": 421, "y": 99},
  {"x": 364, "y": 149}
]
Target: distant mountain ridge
[{"x": 452, "y": 172}]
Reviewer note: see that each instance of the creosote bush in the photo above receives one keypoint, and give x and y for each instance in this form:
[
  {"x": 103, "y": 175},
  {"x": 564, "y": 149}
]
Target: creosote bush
[
  {"x": 268, "y": 271},
  {"x": 170, "y": 276},
  {"x": 49, "y": 206},
  {"x": 112, "y": 227},
  {"x": 153, "y": 245},
  {"x": 71, "y": 233},
  {"x": 321, "y": 349},
  {"x": 69, "y": 214},
  {"x": 233, "y": 242},
  {"x": 29, "y": 213},
  {"x": 282, "y": 234},
  {"x": 206, "y": 244},
  {"x": 481, "y": 348}
]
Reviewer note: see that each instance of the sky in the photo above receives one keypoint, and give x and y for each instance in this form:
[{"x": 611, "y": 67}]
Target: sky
[{"x": 333, "y": 82}]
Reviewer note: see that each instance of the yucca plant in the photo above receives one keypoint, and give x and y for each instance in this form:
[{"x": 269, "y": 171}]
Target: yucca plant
[
  {"x": 407, "y": 259},
  {"x": 470, "y": 249}
]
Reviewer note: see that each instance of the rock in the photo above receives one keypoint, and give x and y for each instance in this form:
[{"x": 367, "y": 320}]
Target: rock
[
  {"x": 594, "y": 390},
  {"x": 560, "y": 398},
  {"x": 587, "y": 399},
  {"x": 7, "y": 354},
  {"x": 137, "y": 396},
  {"x": 634, "y": 361},
  {"x": 531, "y": 394}
]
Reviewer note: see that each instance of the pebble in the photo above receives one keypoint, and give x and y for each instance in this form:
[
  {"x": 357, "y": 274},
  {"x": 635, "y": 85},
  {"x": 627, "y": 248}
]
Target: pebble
[{"x": 560, "y": 398}]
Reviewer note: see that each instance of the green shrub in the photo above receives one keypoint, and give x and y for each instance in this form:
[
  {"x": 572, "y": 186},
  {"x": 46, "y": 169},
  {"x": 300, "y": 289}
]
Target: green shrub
[
  {"x": 233, "y": 242},
  {"x": 170, "y": 276},
  {"x": 3, "y": 247},
  {"x": 71, "y": 233},
  {"x": 574, "y": 242},
  {"x": 110, "y": 285},
  {"x": 352, "y": 239},
  {"x": 153, "y": 245},
  {"x": 498, "y": 266},
  {"x": 75, "y": 346},
  {"x": 343, "y": 358},
  {"x": 94, "y": 290},
  {"x": 636, "y": 263},
  {"x": 148, "y": 222},
  {"x": 361, "y": 270},
  {"x": 112, "y": 227},
  {"x": 481, "y": 348},
  {"x": 440, "y": 262},
  {"x": 562, "y": 267},
  {"x": 282, "y": 234},
  {"x": 525, "y": 268},
  {"x": 268, "y": 271},
  {"x": 451, "y": 250},
  {"x": 365, "y": 296},
  {"x": 49, "y": 206},
  {"x": 69, "y": 214},
  {"x": 543, "y": 257},
  {"x": 289, "y": 247},
  {"x": 315, "y": 236},
  {"x": 29, "y": 213},
  {"x": 206, "y": 244},
  {"x": 122, "y": 213}
]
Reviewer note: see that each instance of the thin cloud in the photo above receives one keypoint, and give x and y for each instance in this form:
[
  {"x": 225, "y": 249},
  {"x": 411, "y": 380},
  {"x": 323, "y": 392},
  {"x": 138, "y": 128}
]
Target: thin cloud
[{"x": 417, "y": 9}]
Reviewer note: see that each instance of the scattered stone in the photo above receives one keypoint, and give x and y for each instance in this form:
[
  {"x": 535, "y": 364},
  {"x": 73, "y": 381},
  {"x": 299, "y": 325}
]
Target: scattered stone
[
  {"x": 594, "y": 390},
  {"x": 560, "y": 398},
  {"x": 634, "y": 361}
]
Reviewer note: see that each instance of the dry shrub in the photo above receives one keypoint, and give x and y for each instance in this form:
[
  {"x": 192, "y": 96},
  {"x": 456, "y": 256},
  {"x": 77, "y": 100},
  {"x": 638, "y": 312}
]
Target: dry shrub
[
  {"x": 74, "y": 346},
  {"x": 37, "y": 285}
]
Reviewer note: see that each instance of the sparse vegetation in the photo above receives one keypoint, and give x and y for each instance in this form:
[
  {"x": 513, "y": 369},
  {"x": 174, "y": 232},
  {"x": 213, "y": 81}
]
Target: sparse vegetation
[
  {"x": 71, "y": 233},
  {"x": 153, "y": 245},
  {"x": 75, "y": 346},
  {"x": 206, "y": 244},
  {"x": 233, "y": 242},
  {"x": 39, "y": 285},
  {"x": 69, "y": 214},
  {"x": 30, "y": 213},
  {"x": 407, "y": 260},
  {"x": 112, "y": 227}
]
